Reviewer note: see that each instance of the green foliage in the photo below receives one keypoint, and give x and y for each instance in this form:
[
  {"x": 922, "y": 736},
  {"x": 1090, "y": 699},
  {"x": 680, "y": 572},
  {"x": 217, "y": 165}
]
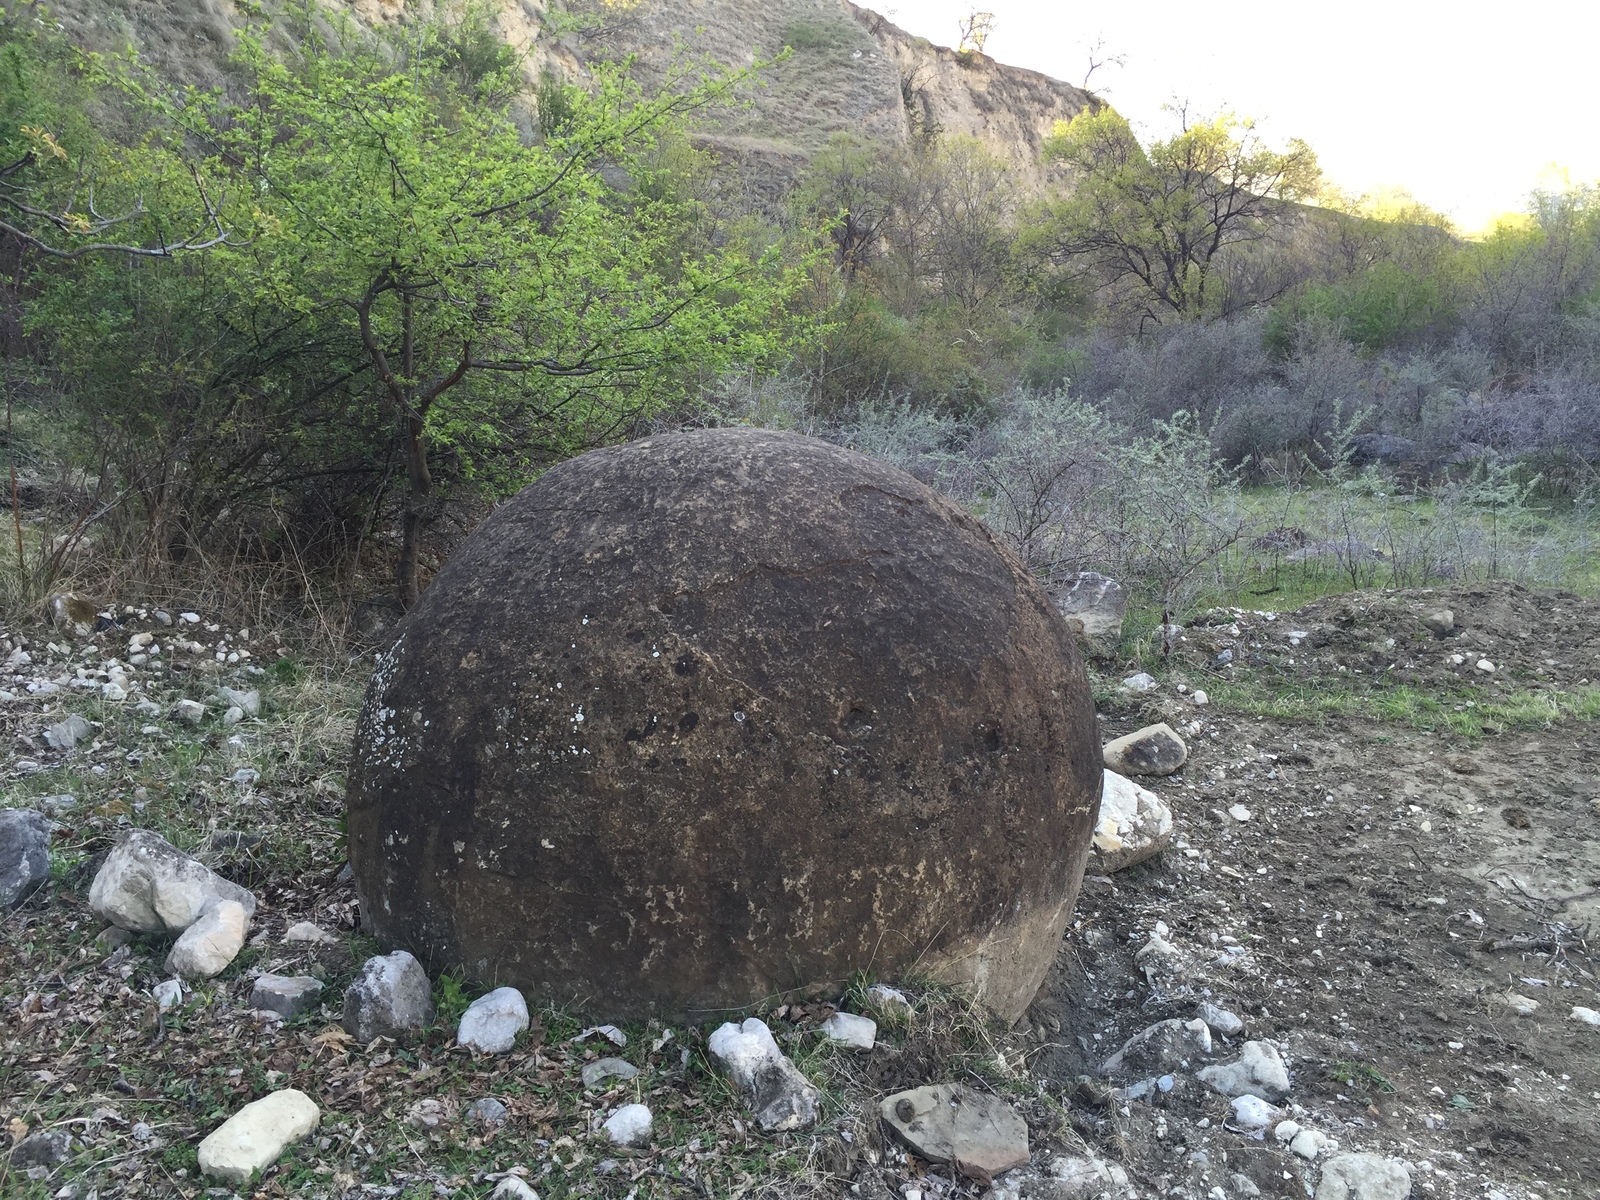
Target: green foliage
[
  {"x": 1155, "y": 222},
  {"x": 451, "y": 996},
  {"x": 1384, "y": 307},
  {"x": 808, "y": 34},
  {"x": 402, "y": 286},
  {"x": 1365, "y": 1074}
]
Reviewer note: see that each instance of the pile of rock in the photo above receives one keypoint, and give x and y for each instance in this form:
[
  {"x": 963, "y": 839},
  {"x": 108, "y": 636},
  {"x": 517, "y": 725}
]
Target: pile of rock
[
  {"x": 1159, "y": 1061},
  {"x": 146, "y": 885}
]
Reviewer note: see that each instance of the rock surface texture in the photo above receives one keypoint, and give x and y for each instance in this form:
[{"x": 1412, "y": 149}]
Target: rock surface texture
[
  {"x": 1134, "y": 824},
  {"x": 253, "y": 1137},
  {"x": 390, "y": 998},
  {"x": 150, "y": 886},
  {"x": 24, "y": 855},
  {"x": 781, "y": 708},
  {"x": 779, "y": 1096},
  {"x": 977, "y": 1134}
]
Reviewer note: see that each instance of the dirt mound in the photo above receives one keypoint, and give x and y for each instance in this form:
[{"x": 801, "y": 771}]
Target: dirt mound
[{"x": 1532, "y": 639}]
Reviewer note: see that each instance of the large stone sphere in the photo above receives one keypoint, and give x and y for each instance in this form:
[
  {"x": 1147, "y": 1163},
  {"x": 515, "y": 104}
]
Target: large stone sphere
[{"x": 717, "y": 717}]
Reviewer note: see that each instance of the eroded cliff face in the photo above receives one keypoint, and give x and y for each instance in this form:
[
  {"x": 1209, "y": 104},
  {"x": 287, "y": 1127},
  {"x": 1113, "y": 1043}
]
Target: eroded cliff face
[
  {"x": 849, "y": 70},
  {"x": 1010, "y": 110}
]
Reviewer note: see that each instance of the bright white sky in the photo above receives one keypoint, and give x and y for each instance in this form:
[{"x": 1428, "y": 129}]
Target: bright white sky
[{"x": 1464, "y": 105}]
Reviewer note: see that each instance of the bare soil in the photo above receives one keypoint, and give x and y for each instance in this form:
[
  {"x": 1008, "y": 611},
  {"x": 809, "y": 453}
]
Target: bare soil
[{"x": 1390, "y": 889}]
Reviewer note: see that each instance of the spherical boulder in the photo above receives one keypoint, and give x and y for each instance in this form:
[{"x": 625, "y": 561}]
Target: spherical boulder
[{"x": 719, "y": 716}]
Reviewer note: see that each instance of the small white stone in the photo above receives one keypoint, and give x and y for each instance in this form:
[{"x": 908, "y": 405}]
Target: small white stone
[
  {"x": 1220, "y": 1019},
  {"x": 1366, "y": 1177},
  {"x": 512, "y": 1188},
  {"x": 1258, "y": 1071},
  {"x": 191, "y": 712},
  {"x": 1521, "y": 1005},
  {"x": 114, "y": 691},
  {"x": 491, "y": 1023},
  {"x": 1239, "y": 813},
  {"x": 305, "y": 931},
  {"x": 252, "y": 1139},
  {"x": 168, "y": 993},
  {"x": 249, "y": 701},
  {"x": 1484, "y": 665},
  {"x": 1309, "y": 1143},
  {"x": 630, "y": 1125},
  {"x": 233, "y": 716},
  {"x": 848, "y": 1029},
  {"x": 1200, "y": 697},
  {"x": 887, "y": 998},
  {"x": 1587, "y": 1015},
  {"x": 1252, "y": 1113},
  {"x": 1142, "y": 682}
]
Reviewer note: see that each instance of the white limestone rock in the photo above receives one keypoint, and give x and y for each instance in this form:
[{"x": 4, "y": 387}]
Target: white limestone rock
[
  {"x": 491, "y": 1023},
  {"x": 207, "y": 947},
  {"x": 390, "y": 998},
  {"x": 149, "y": 886},
  {"x": 306, "y": 931},
  {"x": 779, "y": 1096},
  {"x": 252, "y": 1139},
  {"x": 848, "y": 1029},
  {"x": 1258, "y": 1071},
  {"x": 1252, "y": 1113},
  {"x": 631, "y": 1125},
  {"x": 1134, "y": 824},
  {"x": 1363, "y": 1177},
  {"x": 1222, "y": 1022},
  {"x": 248, "y": 703}
]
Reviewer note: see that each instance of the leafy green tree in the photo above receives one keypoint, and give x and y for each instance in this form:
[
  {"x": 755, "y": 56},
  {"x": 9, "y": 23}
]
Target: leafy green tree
[
  {"x": 515, "y": 299},
  {"x": 66, "y": 190},
  {"x": 1156, "y": 223}
]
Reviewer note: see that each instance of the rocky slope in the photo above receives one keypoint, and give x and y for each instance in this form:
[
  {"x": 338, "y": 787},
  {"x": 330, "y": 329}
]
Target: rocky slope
[{"x": 850, "y": 70}]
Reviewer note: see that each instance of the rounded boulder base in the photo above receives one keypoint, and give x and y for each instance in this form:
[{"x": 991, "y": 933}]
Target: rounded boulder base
[{"x": 720, "y": 716}]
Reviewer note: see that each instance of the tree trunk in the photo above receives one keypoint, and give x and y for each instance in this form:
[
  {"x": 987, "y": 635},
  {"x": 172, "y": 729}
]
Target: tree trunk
[{"x": 419, "y": 488}]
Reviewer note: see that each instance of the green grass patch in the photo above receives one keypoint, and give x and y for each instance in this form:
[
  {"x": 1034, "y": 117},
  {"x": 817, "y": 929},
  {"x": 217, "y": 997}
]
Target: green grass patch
[
  {"x": 1360, "y": 1074},
  {"x": 1457, "y": 713}
]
